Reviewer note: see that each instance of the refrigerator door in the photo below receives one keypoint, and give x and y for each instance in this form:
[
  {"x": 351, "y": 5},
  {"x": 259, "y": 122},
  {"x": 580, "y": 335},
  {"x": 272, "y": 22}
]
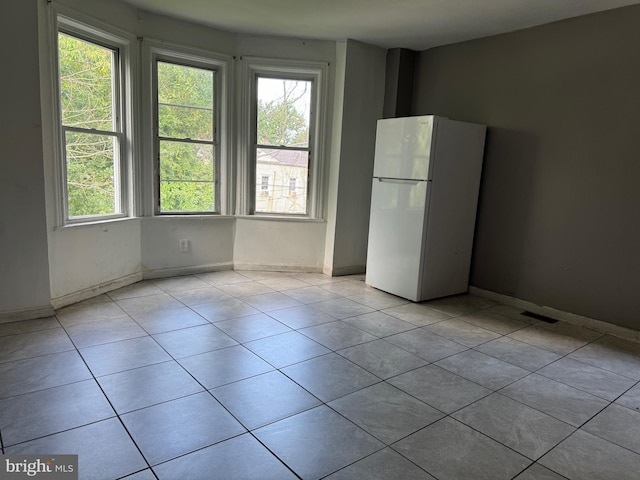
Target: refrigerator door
[
  {"x": 403, "y": 147},
  {"x": 396, "y": 232}
]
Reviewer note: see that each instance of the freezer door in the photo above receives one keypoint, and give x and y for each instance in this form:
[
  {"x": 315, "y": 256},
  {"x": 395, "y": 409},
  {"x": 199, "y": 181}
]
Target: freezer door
[
  {"x": 403, "y": 147},
  {"x": 396, "y": 232}
]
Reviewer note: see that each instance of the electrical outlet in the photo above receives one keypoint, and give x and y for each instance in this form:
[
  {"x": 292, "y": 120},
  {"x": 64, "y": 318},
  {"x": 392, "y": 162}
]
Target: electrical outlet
[{"x": 183, "y": 245}]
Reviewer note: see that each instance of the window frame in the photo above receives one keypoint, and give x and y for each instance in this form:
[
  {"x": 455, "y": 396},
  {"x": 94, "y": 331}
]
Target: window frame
[
  {"x": 157, "y": 51},
  {"x": 316, "y": 72},
  {"x": 120, "y": 42}
]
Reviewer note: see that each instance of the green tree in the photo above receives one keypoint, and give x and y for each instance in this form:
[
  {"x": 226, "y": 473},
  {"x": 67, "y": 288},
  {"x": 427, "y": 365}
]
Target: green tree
[{"x": 283, "y": 121}]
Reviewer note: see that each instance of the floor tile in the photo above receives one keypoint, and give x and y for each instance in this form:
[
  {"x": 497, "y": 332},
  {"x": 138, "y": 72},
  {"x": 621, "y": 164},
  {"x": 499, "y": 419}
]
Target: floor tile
[
  {"x": 223, "y": 277},
  {"x": 377, "y": 299},
  {"x": 337, "y": 335},
  {"x": 257, "y": 275},
  {"x": 200, "y": 296},
  {"x": 556, "y": 399},
  {"x": 631, "y": 399},
  {"x": 223, "y": 366},
  {"x": 25, "y": 326},
  {"x": 439, "y": 388},
  {"x": 379, "y": 324},
  {"x": 613, "y": 354},
  {"x": 382, "y": 358},
  {"x": 104, "y": 331},
  {"x": 330, "y": 376},
  {"x": 181, "y": 426},
  {"x": 283, "y": 283},
  {"x": 309, "y": 294},
  {"x": 316, "y": 278},
  {"x": 518, "y": 353},
  {"x": 252, "y": 327},
  {"x": 265, "y": 302},
  {"x": 493, "y": 321},
  {"x": 124, "y": 355},
  {"x": 241, "y": 457},
  {"x": 345, "y": 288},
  {"x": 264, "y": 399},
  {"x": 74, "y": 314},
  {"x": 538, "y": 472},
  {"x": 593, "y": 380},
  {"x": 181, "y": 283},
  {"x": 194, "y": 340},
  {"x": 139, "y": 289},
  {"x": 386, "y": 412},
  {"x": 36, "y": 414},
  {"x": 34, "y": 344},
  {"x": 169, "y": 319},
  {"x": 475, "y": 456},
  {"x": 146, "y": 474},
  {"x": 245, "y": 289},
  {"x": 617, "y": 424},
  {"x": 425, "y": 344},
  {"x": 317, "y": 442},
  {"x": 462, "y": 332},
  {"x": 149, "y": 303},
  {"x": 460, "y": 304},
  {"x": 548, "y": 339},
  {"x": 33, "y": 374},
  {"x": 575, "y": 331},
  {"x": 145, "y": 386},
  {"x": 524, "y": 429},
  {"x": 385, "y": 464},
  {"x": 483, "y": 369},
  {"x": 105, "y": 450},
  {"x": 512, "y": 312},
  {"x": 286, "y": 349},
  {"x": 301, "y": 317},
  {"x": 416, "y": 314},
  {"x": 585, "y": 456},
  {"x": 224, "y": 310},
  {"x": 342, "y": 308}
]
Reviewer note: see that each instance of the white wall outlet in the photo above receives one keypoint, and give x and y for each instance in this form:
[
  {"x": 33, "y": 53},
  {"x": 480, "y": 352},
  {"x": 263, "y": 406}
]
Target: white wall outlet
[{"x": 183, "y": 245}]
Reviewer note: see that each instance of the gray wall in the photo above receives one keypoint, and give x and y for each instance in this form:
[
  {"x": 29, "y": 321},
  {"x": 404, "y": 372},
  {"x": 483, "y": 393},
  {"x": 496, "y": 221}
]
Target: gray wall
[
  {"x": 24, "y": 269},
  {"x": 559, "y": 213}
]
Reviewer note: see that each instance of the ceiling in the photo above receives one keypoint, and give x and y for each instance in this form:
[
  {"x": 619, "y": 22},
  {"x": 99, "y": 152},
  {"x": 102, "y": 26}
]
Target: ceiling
[{"x": 414, "y": 24}]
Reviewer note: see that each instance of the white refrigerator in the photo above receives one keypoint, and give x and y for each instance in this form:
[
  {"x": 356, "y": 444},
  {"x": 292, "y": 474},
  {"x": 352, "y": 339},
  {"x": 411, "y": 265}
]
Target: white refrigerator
[{"x": 426, "y": 179}]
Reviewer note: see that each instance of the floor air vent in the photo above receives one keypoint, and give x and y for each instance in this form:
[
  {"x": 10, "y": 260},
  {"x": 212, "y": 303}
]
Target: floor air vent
[{"x": 537, "y": 316}]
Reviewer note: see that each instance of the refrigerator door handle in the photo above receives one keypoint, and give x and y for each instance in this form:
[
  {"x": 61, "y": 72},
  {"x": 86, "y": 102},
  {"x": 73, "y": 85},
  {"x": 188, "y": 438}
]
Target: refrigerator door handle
[{"x": 401, "y": 180}]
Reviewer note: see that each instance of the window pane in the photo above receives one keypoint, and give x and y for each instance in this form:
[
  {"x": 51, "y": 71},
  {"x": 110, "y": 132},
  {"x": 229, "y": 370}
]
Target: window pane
[
  {"x": 284, "y": 110},
  {"x": 86, "y": 83},
  {"x": 187, "y": 196},
  {"x": 186, "y": 161},
  {"x": 187, "y": 174},
  {"x": 185, "y": 102},
  {"x": 91, "y": 174},
  {"x": 275, "y": 168},
  {"x": 185, "y": 122}
]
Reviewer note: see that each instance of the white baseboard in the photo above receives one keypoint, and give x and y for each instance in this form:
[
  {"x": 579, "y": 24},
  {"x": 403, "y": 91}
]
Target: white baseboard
[
  {"x": 86, "y": 293},
  {"x": 277, "y": 268},
  {"x": 26, "y": 314},
  {"x": 551, "y": 312},
  {"x": 180, "y": 271}
]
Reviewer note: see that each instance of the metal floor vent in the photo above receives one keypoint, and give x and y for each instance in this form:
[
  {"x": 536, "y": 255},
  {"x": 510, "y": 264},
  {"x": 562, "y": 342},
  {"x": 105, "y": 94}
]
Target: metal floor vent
[{"x": 537, "y": 316}]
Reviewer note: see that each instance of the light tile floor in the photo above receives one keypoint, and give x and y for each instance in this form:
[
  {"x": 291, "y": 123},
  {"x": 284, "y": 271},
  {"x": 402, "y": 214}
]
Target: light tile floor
[{"x": 259, "y": 375}]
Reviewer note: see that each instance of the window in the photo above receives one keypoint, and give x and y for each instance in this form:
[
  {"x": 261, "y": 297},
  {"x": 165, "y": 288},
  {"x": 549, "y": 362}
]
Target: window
[
  {"x": 92, "y": 124},
  {"x": 186, "y": 138},
  {"x": 284, "y": 137}
]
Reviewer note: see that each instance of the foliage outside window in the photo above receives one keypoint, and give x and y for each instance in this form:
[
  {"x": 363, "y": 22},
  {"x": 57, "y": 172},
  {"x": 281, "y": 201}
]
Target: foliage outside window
[
  {"x": 186, "y": 138},
  {"x": 91, "y": 127},
  {"x": 282, "y": 144}
]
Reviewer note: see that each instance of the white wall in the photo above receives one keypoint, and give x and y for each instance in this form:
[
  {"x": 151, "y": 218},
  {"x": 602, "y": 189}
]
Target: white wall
[
  {"x": 24, "y": 271},
  {"x": 275, "y": 244},
  {"x": 357, "y": 107}
]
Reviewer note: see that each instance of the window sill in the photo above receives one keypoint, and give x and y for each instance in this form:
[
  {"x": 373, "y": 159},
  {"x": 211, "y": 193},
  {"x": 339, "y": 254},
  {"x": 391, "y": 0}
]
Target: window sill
[
  {"x": 282, "y": 218},
  {"x": 96, "y": 223}
]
